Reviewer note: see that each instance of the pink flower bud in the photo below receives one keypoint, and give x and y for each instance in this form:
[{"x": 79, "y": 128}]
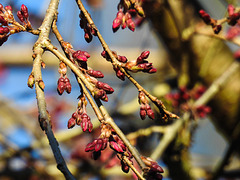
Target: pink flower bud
[
  {"x": 120, "y": 14},
  {"x": 98, "y": 146},
  {"x": 61, "y": 87},
  {"x": 125, "y": 167},
  {"x": 143, "y": 112},
  {"x": 130, "y": 24},
  {"x": 231, "y": 9},
  {"x": 3, "y": 21},
  {"x": 122, "y": 59},
  {"x": 145, "y": 54},
  {"x": 108, "y": 89},
  {"x": 71, "y": 123},
  {"x": 74, "y": 115},
  {"x": 232, "y": 19},
  {"x": 96, "y": 74},
  {"x": 24, "y": 10},
  {"x": 81, "y": 57},
  {"x": 150, "y": 112},
  {"x": 205, "y": 16},
  {"x": 153, "y": 70},
  {"x": 115, "y": 146},
  {"x": 116, "y": 24},
  {"x": 68, "y": 87},
  {"x": 85, "y": 53},
  {"x": 88, "y": 36},
  {"x": 91, "y": 146}
]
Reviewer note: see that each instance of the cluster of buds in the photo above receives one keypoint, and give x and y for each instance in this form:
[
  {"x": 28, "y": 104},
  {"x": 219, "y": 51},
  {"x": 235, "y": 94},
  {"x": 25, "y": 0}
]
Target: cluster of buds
[
  {"x": 233, "y": 16},
  {"x": 63, "y": 83},
  {"x": 6, "y": 18},
  {"x": 127, "y": 10},
  {"x": 101, "y": 89},
  {"x": 23, "y": 16},
  {"x": 181, "y": 101},
  {"x": 81, "y": 55},
  {"x": 88, "y": 29},
  {"x": 141, "y": 64},
  {"x": 121, "y": 59},
  {"x": 210, "y": 21},
  {"x": 5, "y": 14},
  {"x": 80, "y": 116},
  {"x": 145, "y": 108},
  {"x": 153, "y": 171}
]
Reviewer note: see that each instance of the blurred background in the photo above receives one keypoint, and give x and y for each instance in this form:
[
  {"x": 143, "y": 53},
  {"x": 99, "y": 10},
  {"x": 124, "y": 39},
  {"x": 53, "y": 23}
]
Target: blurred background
[{"x": 24, "y": 151}]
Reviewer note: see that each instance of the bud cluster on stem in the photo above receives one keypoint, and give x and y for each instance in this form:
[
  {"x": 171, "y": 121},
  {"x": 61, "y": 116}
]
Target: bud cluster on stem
[
  {"x": 88, "y": 30},
  {"x": 80, "y": 116},
  {"x": 130, "y": 14},
  {"x": 63, "y": 83},
  {"x": 145, "y": 108},
  {"x": 8, "y": 25}
]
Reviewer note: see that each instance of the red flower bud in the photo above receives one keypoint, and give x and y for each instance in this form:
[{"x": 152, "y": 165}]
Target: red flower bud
[
  {"x": 153, "y": 70},
  {"x": 61, "y": 87},
  {"x": 74, "y": 115},
  {"x": 143, "y": 112},
  {"x": 150, "y": 112},
  {"x": 96, "y": 74},
  {"x": 8, "y": 8},
  {"x": 217, "y": 29},
  {"x": 91, "y": 146},
  {"x": 71, "y": 123},
  {"x": 231, "y": 9},
  {"x": 81, "y": 57},
  {"x": 130, "y": 24},
  {"x": 3, "y": 21},
  {"x": 24, "y": 10},
  {"x": 116, "y": 24},
  {"x": 122, "y": 59},
  {"x": 108, "y": 89},
  {"x": 145, "y": 54},
  {"x": 125, "y": 167},
  {"x": 88, "y": 36},
  {"x": 205, "y": 16},
  {"x": 115, "y": 146}
]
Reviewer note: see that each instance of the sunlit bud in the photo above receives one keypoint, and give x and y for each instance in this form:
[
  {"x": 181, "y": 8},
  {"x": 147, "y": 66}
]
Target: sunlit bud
[
  {"x": 130, "y": 24},
  {"x": 116, "y": 24},
  {"x": 24, "y": 10},
  {"x": 145, "y": 54},
  {"x": 231, "y": 9},
  {"x": 143, "y": 112},
  {"x": 31, "y": 81},
  {"x": 139, "y": 10},
  {"x": 8, "y": 8},
  {"x": 61, "y": 87},
  {"x": 41, "y": 84},
  {"x": 3, "y": 21},
  {"x": 108, "y": 89},
  {"x": 88, "y": 36},
  {"x": 71, "y": 123},
  {"x": 122, "y": 59},
  {"x": 96, "y": 74},
  {"x": 62, "y": 68}
]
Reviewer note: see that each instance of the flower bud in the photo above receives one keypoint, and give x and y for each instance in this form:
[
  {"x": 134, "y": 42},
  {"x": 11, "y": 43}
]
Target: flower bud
[
  {"x": 145, "y": 54},
  {"x": 3, "y": 21},
  {"x": 205, "y": 16},
  {"x": 143, "y": 112},
  {"x": 130, "y": 24},
  {"x": 24, "y": 10},
  {"x": 61, "y": 87},
  {"x": 88, "y": 36},
  {"x": 41, "y": 84},
  {"x": 96, "y": 74},
  {"x": 62, "y": 68},
  {"x": 8, "y": 8},
  {"x": 74, "y": 115},
  {"x": 231, "y": 9},
  {"x": 140, "y": 11},
  {"x": 116, "y": 24},
  {"x": 31, "y": 81},
  {"x": 1, "y": 7},
  {"x": 71, "y": 123},
  {"x": 122, "y": 59},
  {"x": 108, "y": 89},
  {"x": 125, "y": 167},
  {"x": 217, "y": 28}
]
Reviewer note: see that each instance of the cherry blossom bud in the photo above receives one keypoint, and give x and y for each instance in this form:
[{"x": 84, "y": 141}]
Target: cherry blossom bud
[
  {"x": 41, "y": 84},
  {"x": 120, "y": 14},
  {"x": 81, "y": 57},
  {"x": 143, "y": 112},
  {"x": 205, "y": 16},
  {"x": 62, "y": 68},
  {"x": 130, "y": 24},
  {"x": 1, "y": 30},
  {"x": 145, "y": 54},
  {"x": 88, "y": 36},
  {"x": 150, "y": 112},
  {"x": 74, "y": 115},
  {"x": 232, "y": 19},
  {"x": 115, "y": 146},
  {"x": 1, "y": 7},
  {"x": 71, "y": 123},
  {"x": 8, "y": 8},
  {"x": 116, "y": 24},
  {"x": 91, "y": 146},
  {"x": 3, "y": 21},
  {"x": 68, "y": 86},
  {"x": 85, "y": 53},
  {"x": 108, "y": 89},
  {"x": 125, "y": 167},
  {"x": 99, "y": 144},
  {"x": 24, "y": 10},
  {"x": 231, "y": 9},
  {"x": 96, "y": 74},
  {"x": 20, "y": 16},
  {"x": 61, "y": 87},
  {"x": 140, "y": 11},
  {"x": 122, "y": 59},
  {"x": 153, "y": 70},
  {"x": 31, "y": 81}
]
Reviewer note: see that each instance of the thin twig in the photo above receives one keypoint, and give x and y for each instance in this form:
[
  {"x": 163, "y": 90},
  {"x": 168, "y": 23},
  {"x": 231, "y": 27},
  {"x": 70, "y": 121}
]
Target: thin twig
[{"x": 44, "y": 117}]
